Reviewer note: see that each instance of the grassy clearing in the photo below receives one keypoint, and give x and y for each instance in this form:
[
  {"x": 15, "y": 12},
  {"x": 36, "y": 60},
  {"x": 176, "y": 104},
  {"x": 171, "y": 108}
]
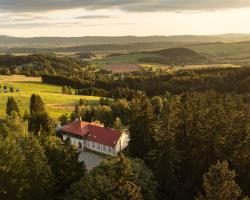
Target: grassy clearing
[{"x": 56, "y": 102}]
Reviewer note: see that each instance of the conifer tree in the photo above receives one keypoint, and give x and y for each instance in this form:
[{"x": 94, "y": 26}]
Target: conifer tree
[
  {"x": 219, "y": 184},
  {"x": 62, "y": 156},
  {"x": 12, "y": 106},
  {"x": 39, "y": 120},
  {"x": 142, "y": 127},
  {"x": 36, "y": 104}
]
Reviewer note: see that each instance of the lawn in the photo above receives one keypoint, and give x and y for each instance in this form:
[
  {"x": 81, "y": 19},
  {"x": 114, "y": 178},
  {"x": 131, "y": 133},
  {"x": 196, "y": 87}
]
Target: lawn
[{"x": 56, "y": 103}]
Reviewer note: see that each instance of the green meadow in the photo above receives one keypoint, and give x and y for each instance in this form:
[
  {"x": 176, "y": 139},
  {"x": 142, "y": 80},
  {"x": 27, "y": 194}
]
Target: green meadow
[
  {"x": 56, "y": 103},
  {"x": 131, "y": 58}
]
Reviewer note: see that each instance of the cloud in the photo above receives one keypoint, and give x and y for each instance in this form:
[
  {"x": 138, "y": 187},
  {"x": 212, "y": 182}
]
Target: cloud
[
  {"x": 94, "y": 17},
  {"x": 29, "y": 25},
  {"x": 125, "y": 5}
]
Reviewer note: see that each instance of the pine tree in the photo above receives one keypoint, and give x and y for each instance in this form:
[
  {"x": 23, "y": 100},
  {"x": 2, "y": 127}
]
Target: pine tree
[
  {"x": 12, "y": 107},
  {"x": 36, "y": 104},
  {"x": 219, "y": 184},
  {"x": 241, "y": 162},
  {"x": 39, "y": 120},
  {"x": 142, "y": 128},
  {"x": 24, "y": 172},
  {"x": 157, "y": 104},
  {"x": 62, "y": 156}
]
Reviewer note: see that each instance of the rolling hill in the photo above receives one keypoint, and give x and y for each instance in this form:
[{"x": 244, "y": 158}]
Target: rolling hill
[
  {"x": 74, "y": 41},
  {"x": 36, "y": 64},
  {"x": 171, "y": 56}
]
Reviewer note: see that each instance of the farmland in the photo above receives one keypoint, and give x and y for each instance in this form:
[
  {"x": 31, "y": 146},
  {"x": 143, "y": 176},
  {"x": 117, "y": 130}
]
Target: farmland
[
  {"x": 122, "y": 67},
  {"x": 56, "y": 102}
]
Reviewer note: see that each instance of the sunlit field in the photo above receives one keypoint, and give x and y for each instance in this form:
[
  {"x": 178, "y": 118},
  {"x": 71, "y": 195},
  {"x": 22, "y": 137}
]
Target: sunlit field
[{"x": 56, "y": 102}]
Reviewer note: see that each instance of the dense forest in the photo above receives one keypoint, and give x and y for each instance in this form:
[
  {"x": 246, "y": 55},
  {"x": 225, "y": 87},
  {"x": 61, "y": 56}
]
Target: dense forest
[
  {"x": 189, "y": 137},
  {"x": 38, "y": 64},
  {"x": 153, "y": 83},
  {"x": 190, "y": 128}
]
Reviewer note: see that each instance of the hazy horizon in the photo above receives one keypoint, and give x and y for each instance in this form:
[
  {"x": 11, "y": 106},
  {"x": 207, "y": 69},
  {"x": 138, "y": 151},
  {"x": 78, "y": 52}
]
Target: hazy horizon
[
  {"x": 222, "y": 34},
  {"x": 77, "y": 18}
]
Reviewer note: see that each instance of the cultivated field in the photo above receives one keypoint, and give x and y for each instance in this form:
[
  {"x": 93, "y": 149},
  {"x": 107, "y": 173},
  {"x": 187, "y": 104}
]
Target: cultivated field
[
  {"x": 56, "y": 102},
  {"x": 18, "y": 78},
  {"x": 211, "y": 66},
  {"x": 123, "y": 67}
]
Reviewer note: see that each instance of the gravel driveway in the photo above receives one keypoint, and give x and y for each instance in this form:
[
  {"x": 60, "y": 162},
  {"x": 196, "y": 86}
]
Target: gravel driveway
[{"x": 91, "y": 160}]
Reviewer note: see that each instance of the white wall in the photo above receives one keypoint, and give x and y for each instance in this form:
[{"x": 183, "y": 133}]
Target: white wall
[
  {"x": 99, "y": 147},
  {"x": 122, "y": 143}
]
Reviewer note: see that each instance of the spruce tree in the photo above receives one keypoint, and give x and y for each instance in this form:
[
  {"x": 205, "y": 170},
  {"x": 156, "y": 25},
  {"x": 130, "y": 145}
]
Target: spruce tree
[
  {"x": 219, "y": 184},
  {"x": 36, "y": 104},
  {"x": 142, "y": 127},
  {"x": 12, "y": 107},
  {"x": 62, "y": 156},
  {"x": 39, "y": 120}
]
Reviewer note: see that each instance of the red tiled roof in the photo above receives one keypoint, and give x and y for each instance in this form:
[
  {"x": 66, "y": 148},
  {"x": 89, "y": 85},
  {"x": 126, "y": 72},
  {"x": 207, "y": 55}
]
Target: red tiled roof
[
  {"x": 78, "y": 128},
  {"x": 103, "y": 135},
  {"x": 93, "y": 131}
]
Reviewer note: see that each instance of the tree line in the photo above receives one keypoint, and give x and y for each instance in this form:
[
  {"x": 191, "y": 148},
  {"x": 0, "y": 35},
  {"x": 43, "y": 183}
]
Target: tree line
[
  {"x": 231, "y": 80},
  {"x": 38, "y": 64}
]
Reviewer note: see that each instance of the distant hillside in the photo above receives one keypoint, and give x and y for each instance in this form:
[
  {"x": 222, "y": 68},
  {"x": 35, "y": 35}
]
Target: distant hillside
[
  {"x": 37, "y": 64},
  {"x": 91, "y": 40},
  {"x": 170, "y": 56},
  {"x": 177, "y": 52},
  {"x": 94, "y": 48},
  {"x": 175, "y": 56}
]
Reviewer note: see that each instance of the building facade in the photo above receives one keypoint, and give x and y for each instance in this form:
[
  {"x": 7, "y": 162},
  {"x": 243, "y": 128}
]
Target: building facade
[{"x": 94, "y": 136}]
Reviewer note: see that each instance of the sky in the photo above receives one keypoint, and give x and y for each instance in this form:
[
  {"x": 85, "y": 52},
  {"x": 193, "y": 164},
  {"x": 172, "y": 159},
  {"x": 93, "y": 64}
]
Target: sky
[{"x": 71, "y": 18}]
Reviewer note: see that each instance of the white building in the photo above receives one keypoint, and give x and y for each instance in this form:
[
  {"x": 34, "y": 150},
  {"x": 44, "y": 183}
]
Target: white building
[{"x": 95, "y": 137}]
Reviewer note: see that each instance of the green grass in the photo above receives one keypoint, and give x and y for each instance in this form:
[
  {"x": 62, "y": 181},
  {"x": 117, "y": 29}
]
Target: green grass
[
  {"x": 56, "y": 103},
  {"x": 231, "y": 52},
  {"x": 132, "y": 58},
  {"x": 226, "y": 49}
]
